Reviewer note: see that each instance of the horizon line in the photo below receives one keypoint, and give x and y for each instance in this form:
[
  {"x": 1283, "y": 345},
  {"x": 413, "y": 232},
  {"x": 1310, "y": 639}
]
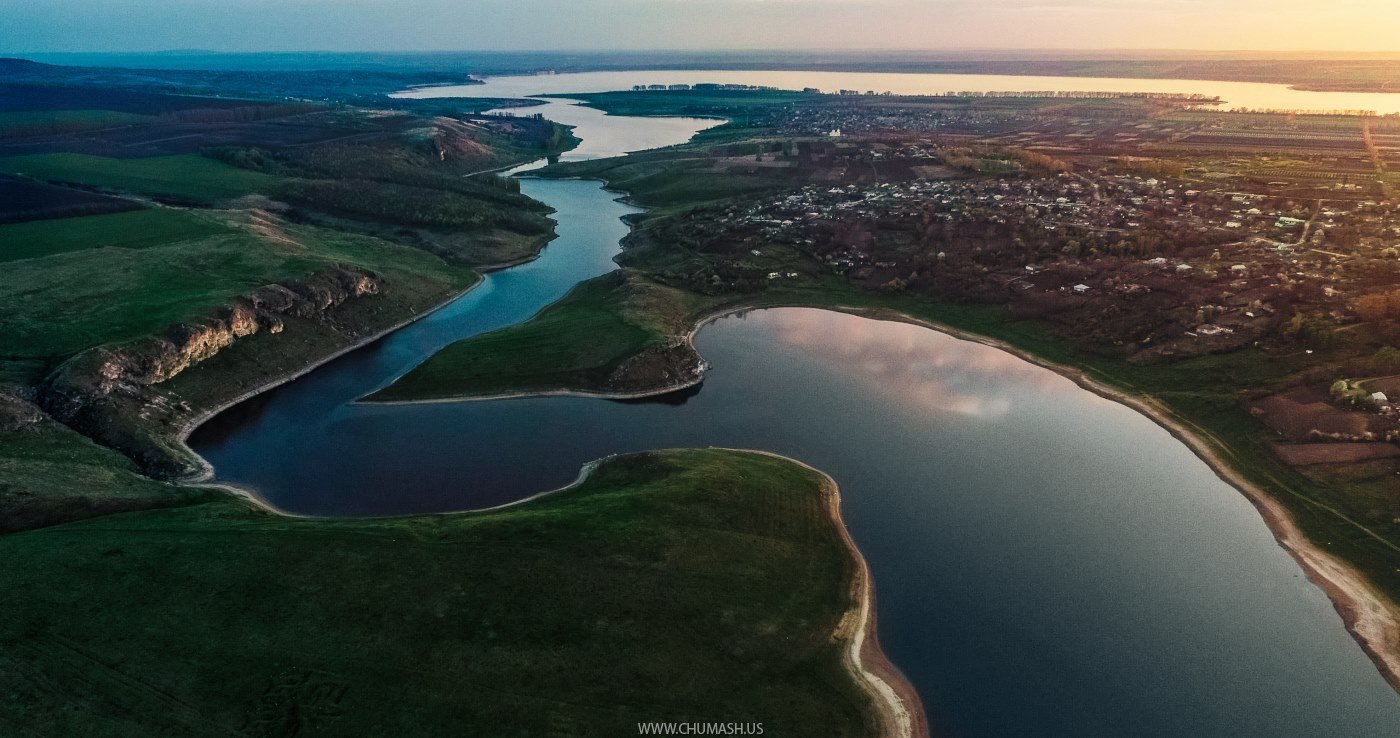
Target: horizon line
[{"x": 728, "y": 50}]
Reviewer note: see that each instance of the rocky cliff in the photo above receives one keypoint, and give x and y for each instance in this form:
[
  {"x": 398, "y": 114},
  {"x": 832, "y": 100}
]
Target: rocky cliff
[{"x": 110, "y": 393}]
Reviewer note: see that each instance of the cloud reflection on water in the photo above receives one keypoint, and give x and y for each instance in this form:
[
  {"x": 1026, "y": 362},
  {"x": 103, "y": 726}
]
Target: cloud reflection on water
[{"x": 914, "y": 366}]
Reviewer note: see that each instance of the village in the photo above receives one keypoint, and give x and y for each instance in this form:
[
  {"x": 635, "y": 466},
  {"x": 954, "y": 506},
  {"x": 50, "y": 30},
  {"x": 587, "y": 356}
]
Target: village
[{"x": 1160, "y": 268}]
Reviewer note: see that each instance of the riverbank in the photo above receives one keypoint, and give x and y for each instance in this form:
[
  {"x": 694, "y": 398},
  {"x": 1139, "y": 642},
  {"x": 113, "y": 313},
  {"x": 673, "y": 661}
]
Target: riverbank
[
  {"x": 1367, "y": 612},
  {"x": 211, "y": 408},
  {"x": 210, "y": 374},
  {"x": 1369, "y": 615},
  {"x": 901, "y": 710},
  {"x": 646, "y": 562}
]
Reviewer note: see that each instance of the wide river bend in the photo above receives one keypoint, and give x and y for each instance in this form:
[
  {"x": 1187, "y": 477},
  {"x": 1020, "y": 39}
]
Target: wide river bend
[{"x": 1047, "y": 562}]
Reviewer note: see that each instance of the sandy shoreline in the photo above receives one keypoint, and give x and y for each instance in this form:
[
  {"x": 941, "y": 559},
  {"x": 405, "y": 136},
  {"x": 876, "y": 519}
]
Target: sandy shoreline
[
  {"x": 1372, "y": 621},
  {"x": 1369, "y": 617},
  {"x": 900, "y": 711}
]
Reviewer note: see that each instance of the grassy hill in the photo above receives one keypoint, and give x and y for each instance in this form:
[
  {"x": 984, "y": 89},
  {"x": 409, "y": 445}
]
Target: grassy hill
[
  {"x": 186, "y": 177},
  {"x": 695, "y": 585}
]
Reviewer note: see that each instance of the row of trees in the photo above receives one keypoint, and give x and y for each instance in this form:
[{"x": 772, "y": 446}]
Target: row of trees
[
  {"x": 412, "y": 206},
  {"x": 240, "y": 114}
]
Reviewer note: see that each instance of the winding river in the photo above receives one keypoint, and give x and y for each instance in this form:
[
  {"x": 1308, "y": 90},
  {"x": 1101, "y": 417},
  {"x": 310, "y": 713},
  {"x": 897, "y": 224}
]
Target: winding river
[{"x": 1047, "y": 562}]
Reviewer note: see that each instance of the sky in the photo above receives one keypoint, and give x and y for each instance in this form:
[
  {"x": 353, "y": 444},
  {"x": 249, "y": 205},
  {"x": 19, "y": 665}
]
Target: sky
[{"x": 460, "y": 25}]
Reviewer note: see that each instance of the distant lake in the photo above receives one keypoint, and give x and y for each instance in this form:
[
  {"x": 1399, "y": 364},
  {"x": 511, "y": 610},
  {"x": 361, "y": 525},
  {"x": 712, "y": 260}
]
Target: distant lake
[
  {"x": 1253, "y": 95},
  {"x": 1047, "y": 562}
]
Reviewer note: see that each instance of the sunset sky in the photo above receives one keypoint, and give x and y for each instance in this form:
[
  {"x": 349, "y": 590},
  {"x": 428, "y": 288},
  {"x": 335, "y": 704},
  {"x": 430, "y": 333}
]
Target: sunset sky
[{"x": 409, "y": 25}]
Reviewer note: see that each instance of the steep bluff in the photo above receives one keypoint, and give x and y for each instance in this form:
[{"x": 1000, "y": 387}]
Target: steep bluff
[{"x": 111, "y": 393}]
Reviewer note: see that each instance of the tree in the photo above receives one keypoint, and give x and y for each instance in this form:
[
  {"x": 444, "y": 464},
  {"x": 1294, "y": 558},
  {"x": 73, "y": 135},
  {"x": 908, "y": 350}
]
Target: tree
[{"x": 1311, "y": 329}]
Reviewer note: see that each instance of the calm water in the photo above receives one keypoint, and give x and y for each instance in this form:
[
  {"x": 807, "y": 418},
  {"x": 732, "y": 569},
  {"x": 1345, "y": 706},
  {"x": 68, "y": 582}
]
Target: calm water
[
  {"x": 1254, "y": 95},
  {"x": 1047, "y": 562}
]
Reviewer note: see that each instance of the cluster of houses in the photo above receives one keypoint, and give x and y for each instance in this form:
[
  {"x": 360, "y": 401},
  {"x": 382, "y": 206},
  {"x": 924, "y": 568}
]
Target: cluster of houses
[
  {"x": 802, "y": 120},
  {"x": 1121, "y": 205},
  {"x": 700, "y": 86},
  {"x": 1228, "y": 260}
]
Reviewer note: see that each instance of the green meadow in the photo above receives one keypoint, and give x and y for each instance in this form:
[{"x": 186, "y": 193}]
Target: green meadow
[
  {"x": 678, "y": 586},
  {"x": 574, "y": 344},
  {"x": 138, "y": 229},
  {"x": 27, "y": 121},
  {"x": 184, "y": 176},
  {"x": 188, "y": 265}
]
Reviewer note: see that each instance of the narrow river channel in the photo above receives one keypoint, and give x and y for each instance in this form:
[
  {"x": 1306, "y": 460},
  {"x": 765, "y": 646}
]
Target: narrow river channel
[{"x": 1047, "y": 562}]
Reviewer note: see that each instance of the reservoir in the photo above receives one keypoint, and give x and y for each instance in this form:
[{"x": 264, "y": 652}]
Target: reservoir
[
  {"x": 1252, "y": 95},
  {"x": 1046, "y": 561}
]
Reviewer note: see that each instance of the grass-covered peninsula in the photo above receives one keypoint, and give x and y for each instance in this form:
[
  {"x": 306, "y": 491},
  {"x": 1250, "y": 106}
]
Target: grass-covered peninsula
[
  {"x": 676, "y": 586},
  {"x": 618, "y": 334}
]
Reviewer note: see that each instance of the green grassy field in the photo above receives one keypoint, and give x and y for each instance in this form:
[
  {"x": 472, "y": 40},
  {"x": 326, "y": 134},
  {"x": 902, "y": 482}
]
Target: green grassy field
[
  {"x": 695, "y": 585},
  {"x": 574, "y": 344},
  {"x": 393, "y": 205},
  {"x": 63, "y": 303},
  {"x": 49, "y": 474},
  {"x": 66, "y": 120},
  {"x": 139, "y": 229},
  {"x": 185, "y": 176}
]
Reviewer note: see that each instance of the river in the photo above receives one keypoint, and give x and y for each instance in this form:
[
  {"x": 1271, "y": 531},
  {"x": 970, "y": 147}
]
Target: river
[
  {"x": 1047, "y": 562},
  {"x": 1252, "y": 95}
]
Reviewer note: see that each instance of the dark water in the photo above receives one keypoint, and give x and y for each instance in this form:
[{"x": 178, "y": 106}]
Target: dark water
[{"x": 1047, "y": 562}]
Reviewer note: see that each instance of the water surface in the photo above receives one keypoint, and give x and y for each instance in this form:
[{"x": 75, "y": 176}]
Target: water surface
[
  {"x": 1252, "y": 95},
  {"x": 1047, "y": 562}
]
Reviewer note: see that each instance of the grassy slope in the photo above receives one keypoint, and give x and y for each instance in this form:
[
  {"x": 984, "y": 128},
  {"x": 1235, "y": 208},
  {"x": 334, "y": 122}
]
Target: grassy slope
[
  {"x": 64, "y": 294},
  {"x": 183, "y": 176},
  {"x": 695, "y": 585},
  {"x": 575, "y": 344},
  {"x": 67, "y": 120},
  {"x": 132, "y": 230},
  {"x": 49, "y": 472},
  {"x": 63, "y": 303}
]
